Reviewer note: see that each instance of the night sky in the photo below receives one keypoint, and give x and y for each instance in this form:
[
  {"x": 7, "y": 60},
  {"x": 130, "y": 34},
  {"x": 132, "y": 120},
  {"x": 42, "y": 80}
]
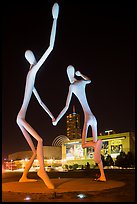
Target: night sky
[{"x": 97, "y": 39}]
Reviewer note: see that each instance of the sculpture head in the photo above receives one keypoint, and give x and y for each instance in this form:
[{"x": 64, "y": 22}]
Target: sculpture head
[
  {"x": 30, "y": 57},
  {"x": 71, "y": 73}
]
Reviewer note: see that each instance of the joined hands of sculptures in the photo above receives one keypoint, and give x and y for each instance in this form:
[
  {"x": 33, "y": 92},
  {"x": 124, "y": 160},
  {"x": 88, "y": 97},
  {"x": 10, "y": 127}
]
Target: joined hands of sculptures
[
  {"x": 25, "y": 127},
  {"x": 77, "y": 87}
]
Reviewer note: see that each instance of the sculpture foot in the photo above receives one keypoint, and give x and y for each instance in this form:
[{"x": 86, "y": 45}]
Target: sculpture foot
[
  {"x": 100, "y": 179},
  {"x": 27, "y": 180},
  {"x": 97, "y": 151},
  {"x": 45, "y": 178}
]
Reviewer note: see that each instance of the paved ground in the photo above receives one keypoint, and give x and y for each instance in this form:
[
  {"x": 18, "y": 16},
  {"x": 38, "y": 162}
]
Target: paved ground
[{"x": 119, "y": 189}]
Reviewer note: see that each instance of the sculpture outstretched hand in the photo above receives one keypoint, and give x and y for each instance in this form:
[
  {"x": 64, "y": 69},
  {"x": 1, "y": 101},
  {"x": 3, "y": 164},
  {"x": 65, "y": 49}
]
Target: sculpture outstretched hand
[
  {"x": 55, "y": 11},
  {"x": 25, "y": 127},
  {"x": 77, "y": 87}
]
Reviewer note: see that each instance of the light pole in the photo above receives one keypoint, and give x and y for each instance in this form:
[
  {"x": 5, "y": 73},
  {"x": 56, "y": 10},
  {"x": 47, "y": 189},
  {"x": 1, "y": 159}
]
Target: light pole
[{"x": 11, "y": 164}]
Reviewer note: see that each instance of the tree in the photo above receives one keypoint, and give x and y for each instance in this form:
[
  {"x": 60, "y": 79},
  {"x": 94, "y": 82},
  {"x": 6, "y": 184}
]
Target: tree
[
  {"x": 124, "y": 160},
  {"x": 75, "y": 166},
  {"x": 130, "y": 159},
  {"x": 109, "y": 161}
]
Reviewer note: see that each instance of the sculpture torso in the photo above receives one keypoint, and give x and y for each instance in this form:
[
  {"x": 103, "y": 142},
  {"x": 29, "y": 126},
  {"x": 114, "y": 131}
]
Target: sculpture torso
[
  {"x": 30, "y": 80},
  {"x": 78, "y": 88}
]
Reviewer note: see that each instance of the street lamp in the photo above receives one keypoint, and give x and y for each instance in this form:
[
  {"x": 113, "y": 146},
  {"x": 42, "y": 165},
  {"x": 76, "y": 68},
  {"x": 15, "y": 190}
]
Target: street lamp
[{"x": 108, "y": 131}]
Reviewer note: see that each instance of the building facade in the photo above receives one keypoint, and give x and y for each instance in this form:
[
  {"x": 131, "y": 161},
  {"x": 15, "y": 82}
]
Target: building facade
[
  {"x": 113, "y": 144},
  {"x": 52, "y": 157},
  {"x": 71, "y": 151}
]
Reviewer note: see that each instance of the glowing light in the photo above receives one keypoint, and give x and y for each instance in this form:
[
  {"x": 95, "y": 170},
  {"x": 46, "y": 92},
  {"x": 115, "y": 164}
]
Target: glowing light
[
  {"x": 27, "y": 198},
  {"x": 81, "y": 195}
]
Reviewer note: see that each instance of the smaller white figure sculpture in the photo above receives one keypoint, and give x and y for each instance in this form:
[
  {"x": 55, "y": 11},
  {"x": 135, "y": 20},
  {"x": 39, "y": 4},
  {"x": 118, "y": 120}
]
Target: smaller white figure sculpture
[
  {"x": 77, "y": 87},
  {"x": 25, "y": 127}
]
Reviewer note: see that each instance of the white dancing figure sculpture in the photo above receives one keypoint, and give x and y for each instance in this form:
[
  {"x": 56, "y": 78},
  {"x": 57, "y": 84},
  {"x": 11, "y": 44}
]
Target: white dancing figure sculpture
[
  {"x": 77, "y": 87},
  {"x": 25, "y": 127}
]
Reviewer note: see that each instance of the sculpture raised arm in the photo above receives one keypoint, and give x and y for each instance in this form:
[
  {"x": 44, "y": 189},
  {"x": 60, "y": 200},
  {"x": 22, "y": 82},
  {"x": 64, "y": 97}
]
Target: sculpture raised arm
[{"x": 55, "y": 11}]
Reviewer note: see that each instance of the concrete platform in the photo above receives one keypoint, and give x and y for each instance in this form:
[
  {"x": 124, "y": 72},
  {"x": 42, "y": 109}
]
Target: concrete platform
[{"x": 61, "y": 185}]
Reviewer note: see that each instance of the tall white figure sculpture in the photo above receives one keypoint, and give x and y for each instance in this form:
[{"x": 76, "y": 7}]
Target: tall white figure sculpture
[
  {"x": 77, "y": 87},
  {"x": 25, "y": 127}
]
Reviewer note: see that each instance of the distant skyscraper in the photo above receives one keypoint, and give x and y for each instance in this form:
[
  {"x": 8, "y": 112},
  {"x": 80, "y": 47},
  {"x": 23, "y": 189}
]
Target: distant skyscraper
[{"x": 73, "y": 125}]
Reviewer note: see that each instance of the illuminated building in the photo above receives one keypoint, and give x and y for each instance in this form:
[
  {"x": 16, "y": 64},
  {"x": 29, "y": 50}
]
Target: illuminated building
[
  {"x": 52, "y": 157},
  {"x": 113, "y": 144},
  {"x": 70, "y": 152},
  {"x": 73, "y": 125}
]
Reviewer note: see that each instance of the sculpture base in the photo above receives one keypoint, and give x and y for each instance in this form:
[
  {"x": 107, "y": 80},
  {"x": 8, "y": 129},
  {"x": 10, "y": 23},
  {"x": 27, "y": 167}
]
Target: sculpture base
[{"x": 61, "y": 185}]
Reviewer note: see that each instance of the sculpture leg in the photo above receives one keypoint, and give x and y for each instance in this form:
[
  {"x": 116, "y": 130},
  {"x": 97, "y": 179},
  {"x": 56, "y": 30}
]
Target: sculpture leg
[
  {"x": 25, "y": 127},
  {"x": 97, "y": 159},
  {"x": 27, "y": 167},
  {"x": 94, "y": 133},
  {"x": 41, "y": 172},
  {"x": 30, "y": 162},
  {"x": 102, "y": 176},
  {"x": 93, "y": 123},
  {"x": 84, "y": 136}
]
